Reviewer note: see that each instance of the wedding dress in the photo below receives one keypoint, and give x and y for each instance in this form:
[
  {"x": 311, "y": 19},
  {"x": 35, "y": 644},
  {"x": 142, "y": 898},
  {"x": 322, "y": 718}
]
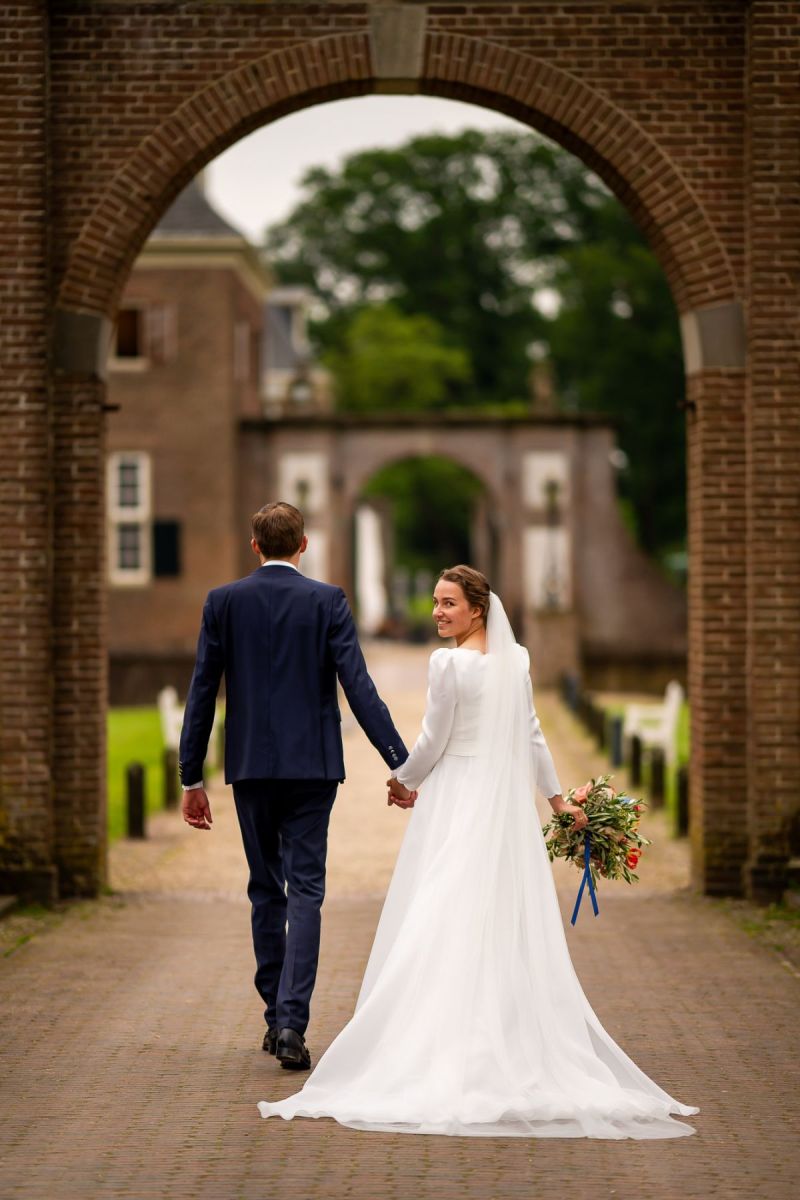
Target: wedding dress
[{"x": 470, "y": 1019}]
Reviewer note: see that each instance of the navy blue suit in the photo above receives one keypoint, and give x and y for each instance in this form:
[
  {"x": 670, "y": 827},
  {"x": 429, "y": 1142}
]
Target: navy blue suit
[{"x": 281, "y": 641}]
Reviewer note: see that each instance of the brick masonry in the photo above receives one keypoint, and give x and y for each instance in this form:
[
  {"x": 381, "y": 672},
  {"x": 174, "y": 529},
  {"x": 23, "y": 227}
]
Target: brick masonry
[{"x": 689, "y": 110}]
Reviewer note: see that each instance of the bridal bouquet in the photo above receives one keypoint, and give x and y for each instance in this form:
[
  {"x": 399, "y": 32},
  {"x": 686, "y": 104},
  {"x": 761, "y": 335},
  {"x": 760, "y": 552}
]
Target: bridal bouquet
[{"x": 610, "y": 845}]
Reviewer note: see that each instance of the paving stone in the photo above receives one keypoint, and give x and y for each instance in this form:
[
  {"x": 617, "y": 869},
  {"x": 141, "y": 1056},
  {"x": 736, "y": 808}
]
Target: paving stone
[{"x": 130, "y": 1063}]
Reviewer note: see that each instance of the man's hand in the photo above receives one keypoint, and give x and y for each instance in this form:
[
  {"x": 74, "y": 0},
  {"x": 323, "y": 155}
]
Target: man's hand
[
  {"x": 196, "y": 809},
  {"x": 399, "y": 794}
]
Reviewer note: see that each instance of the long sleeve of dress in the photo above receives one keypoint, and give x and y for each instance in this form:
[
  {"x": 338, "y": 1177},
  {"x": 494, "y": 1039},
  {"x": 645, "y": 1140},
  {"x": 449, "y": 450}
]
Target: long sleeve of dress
[
  {"x": 436, "y": 724},
  {"x": 543, "y": 765}
]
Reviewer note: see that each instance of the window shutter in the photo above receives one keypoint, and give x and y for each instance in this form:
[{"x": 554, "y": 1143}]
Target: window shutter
[
  {"x": 161, "y": 332},
  {"x": 166, "y": 549}
]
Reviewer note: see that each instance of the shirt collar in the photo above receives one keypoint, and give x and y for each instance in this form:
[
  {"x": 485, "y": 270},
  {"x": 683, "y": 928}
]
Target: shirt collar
[{"x": 278, "y": 562}]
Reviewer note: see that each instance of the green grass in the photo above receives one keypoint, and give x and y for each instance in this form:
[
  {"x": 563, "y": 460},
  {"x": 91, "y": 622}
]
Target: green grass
[{"x": 134, "y": 735}]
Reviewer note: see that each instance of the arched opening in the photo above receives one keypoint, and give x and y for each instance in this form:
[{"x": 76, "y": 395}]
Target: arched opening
[
  {"x": 413, "y": 518},
  {"x": 108, "y": 238}
]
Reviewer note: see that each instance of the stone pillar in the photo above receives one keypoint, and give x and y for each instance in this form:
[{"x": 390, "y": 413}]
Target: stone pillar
[
  {"x": 26, "y": 809},
  {"x": 773, "y": 442}
]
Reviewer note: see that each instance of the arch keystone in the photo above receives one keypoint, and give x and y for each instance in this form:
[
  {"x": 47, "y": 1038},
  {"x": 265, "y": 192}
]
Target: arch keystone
[{"x": 397, "y": 37}]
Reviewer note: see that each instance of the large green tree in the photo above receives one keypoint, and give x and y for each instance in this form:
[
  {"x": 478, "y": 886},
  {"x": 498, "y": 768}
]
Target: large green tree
[{"x": 515, "y": 249}]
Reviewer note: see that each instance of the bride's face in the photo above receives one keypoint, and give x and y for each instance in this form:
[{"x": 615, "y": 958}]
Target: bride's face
[{"x": 452, "y": 612}]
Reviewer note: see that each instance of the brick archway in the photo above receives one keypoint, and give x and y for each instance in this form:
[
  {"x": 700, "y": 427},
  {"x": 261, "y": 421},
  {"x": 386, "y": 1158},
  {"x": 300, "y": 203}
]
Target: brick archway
[
  {"x": 535, "y": 92},
  {"x": 688, "y": 113}
]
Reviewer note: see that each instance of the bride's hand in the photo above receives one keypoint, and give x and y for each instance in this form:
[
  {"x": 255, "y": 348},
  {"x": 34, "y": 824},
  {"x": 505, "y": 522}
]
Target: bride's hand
[{"x": 581, "y": 819}]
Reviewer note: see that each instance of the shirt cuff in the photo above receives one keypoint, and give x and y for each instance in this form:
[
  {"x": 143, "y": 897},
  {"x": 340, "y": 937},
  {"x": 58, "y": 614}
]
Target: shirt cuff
[{"x": 190, "y": 787}]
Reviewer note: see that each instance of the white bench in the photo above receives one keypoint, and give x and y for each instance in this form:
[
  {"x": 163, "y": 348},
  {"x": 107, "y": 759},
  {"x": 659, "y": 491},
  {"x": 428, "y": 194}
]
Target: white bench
[
  {"x": 171, "y": 713},
  {"x": 657, "y": 724}
]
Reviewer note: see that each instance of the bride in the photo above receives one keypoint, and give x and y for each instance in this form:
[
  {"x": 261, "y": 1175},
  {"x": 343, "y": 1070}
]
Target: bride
[{"x": 470, "y": 1019}]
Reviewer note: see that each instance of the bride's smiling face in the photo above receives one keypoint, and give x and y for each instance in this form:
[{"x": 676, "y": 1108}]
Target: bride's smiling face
[{"x": 452, "y": 612}]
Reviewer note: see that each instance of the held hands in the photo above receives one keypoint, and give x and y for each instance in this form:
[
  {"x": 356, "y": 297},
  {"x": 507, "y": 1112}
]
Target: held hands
[
  {"x": 399, "y": 795},
  {"x": 559, "y": 805},
  {"x": 196, "y": 809}
]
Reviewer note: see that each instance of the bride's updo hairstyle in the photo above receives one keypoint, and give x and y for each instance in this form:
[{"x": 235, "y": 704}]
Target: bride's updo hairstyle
[{"x": 473, "y": 584}]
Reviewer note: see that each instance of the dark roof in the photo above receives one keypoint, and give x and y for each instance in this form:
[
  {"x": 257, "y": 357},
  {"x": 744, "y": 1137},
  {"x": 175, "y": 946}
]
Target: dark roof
[{"x": 191, "y": 215}]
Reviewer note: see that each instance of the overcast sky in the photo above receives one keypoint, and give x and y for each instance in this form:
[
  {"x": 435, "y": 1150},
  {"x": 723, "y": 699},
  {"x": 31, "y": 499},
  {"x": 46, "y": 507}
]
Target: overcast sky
[{"x": 256, "y": 182}]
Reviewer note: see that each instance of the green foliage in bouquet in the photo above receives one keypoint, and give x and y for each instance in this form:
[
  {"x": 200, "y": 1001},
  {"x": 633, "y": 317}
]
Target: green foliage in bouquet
[{"x": 616, "y": 844}]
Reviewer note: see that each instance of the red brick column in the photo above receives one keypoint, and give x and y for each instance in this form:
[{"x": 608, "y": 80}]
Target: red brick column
[
  {"x": 79, "y": 635},
  {"x": 717, "y": 623},
  {"x": 25, "y": 657},
  {"x": 773, "y": 440}
]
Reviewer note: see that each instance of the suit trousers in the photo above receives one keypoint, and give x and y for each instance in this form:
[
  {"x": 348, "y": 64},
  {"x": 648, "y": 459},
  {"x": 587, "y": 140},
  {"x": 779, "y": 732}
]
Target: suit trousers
[{"x": 284, "y": 824}]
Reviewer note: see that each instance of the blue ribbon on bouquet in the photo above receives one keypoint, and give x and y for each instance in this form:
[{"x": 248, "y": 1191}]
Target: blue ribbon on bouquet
[{"x": 587, "y": 878}]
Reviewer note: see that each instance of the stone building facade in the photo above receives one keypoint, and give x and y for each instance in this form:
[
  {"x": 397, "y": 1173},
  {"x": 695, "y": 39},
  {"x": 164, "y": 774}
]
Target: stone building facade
[{"x": 688, "y": 109}]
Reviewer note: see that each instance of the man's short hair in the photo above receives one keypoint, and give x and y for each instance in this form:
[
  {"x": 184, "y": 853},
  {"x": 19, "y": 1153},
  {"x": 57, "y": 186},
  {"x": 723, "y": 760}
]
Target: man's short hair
[{"x": 278, "y": 529}]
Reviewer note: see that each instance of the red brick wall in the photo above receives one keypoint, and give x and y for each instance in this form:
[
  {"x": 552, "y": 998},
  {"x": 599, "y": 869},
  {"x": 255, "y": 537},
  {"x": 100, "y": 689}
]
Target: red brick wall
[
  {"x": 651, "y": 94},
  {"x": 773, "y": 437},
  {"x": 25, "y": 484},
  {"x": 687, "y": 108},
  {"x": 717, "y": 628}
]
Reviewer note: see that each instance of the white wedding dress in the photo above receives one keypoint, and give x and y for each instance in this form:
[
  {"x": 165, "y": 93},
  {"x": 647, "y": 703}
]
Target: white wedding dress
[{"x": 471, "y": 1019}]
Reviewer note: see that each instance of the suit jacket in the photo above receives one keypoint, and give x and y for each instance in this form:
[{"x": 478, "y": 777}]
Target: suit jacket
[{"x": 281, "y": 640}]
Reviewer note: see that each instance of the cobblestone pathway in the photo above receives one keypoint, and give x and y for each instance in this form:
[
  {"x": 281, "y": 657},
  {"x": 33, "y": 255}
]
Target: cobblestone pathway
[{"x": 131, "y": 1061}]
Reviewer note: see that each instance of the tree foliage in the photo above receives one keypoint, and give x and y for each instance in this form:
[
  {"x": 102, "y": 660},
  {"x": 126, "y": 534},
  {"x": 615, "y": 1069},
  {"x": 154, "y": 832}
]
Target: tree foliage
[
  {"x": 386, "y": 359},
  {"x": 432, "y": 503},
  {"x": 474, "y": 232}
]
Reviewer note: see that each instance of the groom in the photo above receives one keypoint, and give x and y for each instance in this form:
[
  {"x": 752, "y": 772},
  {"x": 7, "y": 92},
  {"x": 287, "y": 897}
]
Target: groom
[{"x": 281, "y": 640}]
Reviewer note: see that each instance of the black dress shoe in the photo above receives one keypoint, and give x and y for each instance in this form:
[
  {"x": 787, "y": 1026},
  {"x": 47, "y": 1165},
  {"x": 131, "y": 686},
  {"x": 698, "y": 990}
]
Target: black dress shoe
[
  {"x": 270, "y": 1041},
  {"x": 291, "y": 1051}
]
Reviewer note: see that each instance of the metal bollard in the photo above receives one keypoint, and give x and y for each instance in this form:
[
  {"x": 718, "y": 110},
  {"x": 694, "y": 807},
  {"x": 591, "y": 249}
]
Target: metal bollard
[
  {"x": 572, "y": 691},
  {"x": 636, "y": 761},
  {"x": 600, "y": 726},
  {"x": 682, "y": 808},
  {"x": 170, "y": 763},
  {"x": 134, "y": 779},
  {"x": 657, "y": 777},
  {"x": 615, "y": 741}
]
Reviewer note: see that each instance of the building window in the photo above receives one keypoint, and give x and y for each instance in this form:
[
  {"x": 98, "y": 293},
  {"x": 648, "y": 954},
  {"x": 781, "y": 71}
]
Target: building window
[
  {"x": 130, "y": 331},
  {"x": 166, "y": 549},
  {"x": 129, "y": 519},
  {"x": 145, "y": 335},
  {"x": 129, "y": 483},
  {"x": 129, "y": 547}
]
